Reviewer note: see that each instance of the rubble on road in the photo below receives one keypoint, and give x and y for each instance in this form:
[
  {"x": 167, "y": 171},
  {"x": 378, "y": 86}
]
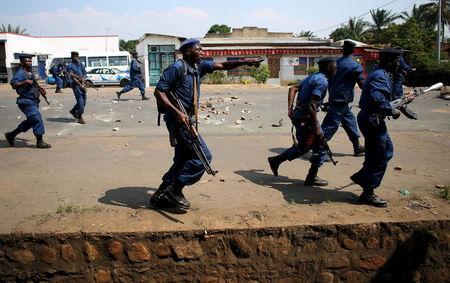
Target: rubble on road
[
  {"x": 280, "y": 123},
  {"x": 116, "y": 129}
]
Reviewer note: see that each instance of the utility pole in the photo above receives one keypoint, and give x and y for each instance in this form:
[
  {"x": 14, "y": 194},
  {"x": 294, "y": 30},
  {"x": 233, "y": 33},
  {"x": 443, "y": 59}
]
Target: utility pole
[{"x": 439, "y": 32}]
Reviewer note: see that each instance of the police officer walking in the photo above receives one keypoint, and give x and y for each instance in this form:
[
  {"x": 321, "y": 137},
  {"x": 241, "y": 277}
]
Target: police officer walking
[
  {"x": 376, "y": 94},
  {"x": 182, "y": 78},
  {"x": 135, "y": 78},
  {"x": 56, "y": 72},
  {"x": 76, "y": 73},
  {"x": 26, "y": 86},
  {"x": 341, "y": 93},
  {"x": 311, "y": 92}
]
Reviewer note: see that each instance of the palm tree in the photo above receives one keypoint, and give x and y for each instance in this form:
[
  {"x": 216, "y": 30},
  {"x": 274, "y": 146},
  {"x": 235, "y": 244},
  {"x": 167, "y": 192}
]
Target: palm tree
[
  {"x": 306, "y": 33},
  {"x": 430, "y": 15},
  {"x": 11, "y": 29},
  {"x": 416, "y": 14},
  {"x": 381, "y": 18},
  {"x": 357, "y": 28}
]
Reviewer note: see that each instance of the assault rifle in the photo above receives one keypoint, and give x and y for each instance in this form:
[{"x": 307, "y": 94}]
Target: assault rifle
[
  {"x": 324, "y": 143},
  {"x": 406, "y": 99},
  {"x": 40, "y": 89},
  {"x": 196, "y": 145},
  {"x": 79, "y": 82}
]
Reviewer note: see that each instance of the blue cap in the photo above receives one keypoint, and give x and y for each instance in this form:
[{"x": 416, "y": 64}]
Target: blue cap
[
  {"x": 391, "y": 52},
  {"x": 188, "y": 43}
]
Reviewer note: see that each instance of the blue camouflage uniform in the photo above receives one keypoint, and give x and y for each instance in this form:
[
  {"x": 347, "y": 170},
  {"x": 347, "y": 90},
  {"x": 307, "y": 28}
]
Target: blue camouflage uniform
[
  {"x": 135, "y": 78},
  {"x": 56, "y": 71},
  {"x": 80, "y": 95},
  {"x": 341, "y": 91},
  {"x": 28, "y": 102},
  {"x": 375, "y": 97},
  {"x": 187, "y": 168},
  {"x": 314, "y": 85},
  {"x": 399, "y": 77}
]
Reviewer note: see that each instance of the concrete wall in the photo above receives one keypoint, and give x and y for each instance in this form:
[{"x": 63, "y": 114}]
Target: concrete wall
[{"x": 376, "y": 252}]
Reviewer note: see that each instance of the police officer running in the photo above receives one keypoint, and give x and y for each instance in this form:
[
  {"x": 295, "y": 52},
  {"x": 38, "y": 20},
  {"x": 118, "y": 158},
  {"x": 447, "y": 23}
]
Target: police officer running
[
  {"x": 26, "y": 86},
  {"x": 135, "y": 78},
  {"x": 76, "y": 73},
  {"x": 183, "y": 79},
  {"x": 399, "y": 78},
  {"x": 311, "y": 92},
  {"x": 341, "y": 93},
  {"x": 56, "y": 72},
  {"x": 376, "y": 94}
]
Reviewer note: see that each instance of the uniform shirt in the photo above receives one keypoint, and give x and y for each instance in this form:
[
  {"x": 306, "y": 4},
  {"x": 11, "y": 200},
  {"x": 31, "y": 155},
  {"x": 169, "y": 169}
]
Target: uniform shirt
[
  {"x": 135, "y": 69},
  {"x": 56, "y": 70},
  {"x": 185, "y": 88},
  {"x": 27, "y": 93},
  {"x": 376, "y": 94},
  {"x": 399, "y": 77},
  {"x": 348, "y": 72},
  {"x": 76, "y": 68},
  {"x": 314, "y": 85}
]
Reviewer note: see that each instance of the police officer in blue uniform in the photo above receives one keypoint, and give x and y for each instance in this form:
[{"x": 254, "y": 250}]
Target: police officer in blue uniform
[
  {"x": 76, "y": 74},
  {"x": 26, "y": 86},
  {"x": 311, "y": 92},
  {"x": 399, "y": 77},
  {"x": 348, "y": 73},
  {"x": 183, "y": 78},
  {"x": 135, "y": 78},
  {"x": 376, "y": 94},
  {"x": 56, "y": 72}
]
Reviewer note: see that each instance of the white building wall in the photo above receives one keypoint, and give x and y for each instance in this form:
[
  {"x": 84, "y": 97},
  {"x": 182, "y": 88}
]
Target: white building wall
[{"x": 54, "y": 45}]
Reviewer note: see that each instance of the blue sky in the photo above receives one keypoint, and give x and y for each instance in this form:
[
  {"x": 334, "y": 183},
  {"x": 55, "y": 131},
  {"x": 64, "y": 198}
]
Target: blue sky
[{"x": 130, "y": 19}]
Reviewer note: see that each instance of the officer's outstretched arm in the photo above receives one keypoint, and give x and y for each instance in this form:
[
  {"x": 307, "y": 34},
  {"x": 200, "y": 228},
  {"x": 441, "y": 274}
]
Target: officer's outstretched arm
[{"x": 230, "y": 65}]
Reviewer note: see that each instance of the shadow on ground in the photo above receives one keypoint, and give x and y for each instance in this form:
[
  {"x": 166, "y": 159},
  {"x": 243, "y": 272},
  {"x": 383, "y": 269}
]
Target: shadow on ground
[
  {"x": 294, "y": 191},
  {"x": 307, "y": 156},
  {"x": 19, "y": 143},
  {"x": 61, "y": 120},
  {"x": 136, "y": 198}
]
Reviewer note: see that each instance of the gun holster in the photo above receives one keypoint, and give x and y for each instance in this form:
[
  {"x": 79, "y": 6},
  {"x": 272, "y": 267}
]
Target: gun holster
[{"x": 408, "y": 112}]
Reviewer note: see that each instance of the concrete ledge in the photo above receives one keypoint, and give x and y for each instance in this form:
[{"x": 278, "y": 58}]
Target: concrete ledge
[{"x": 382, "y": 252}]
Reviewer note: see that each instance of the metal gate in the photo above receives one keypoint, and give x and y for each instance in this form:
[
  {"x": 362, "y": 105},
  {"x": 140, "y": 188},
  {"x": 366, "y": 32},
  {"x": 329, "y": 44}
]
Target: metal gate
[{"x": 159, "y": 58}]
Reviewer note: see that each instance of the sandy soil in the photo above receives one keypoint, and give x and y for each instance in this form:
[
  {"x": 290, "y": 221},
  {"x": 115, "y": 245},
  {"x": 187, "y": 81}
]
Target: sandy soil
[{"x": 100, "y": 180}]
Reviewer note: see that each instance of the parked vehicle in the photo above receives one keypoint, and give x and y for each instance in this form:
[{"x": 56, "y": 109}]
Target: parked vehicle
[{"x": 107, "y": 76}]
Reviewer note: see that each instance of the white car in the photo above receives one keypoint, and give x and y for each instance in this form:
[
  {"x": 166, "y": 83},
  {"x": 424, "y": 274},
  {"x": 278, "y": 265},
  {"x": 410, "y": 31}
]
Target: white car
[{"x": 107, "y": 76}]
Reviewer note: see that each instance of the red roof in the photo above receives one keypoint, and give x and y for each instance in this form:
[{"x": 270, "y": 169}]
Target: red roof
[{"x": 268, "y": 51}]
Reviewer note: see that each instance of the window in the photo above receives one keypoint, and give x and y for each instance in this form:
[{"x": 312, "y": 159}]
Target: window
[
  {"x": 97, "y": 62},
  {"x": 118, "y": 60},
  {"x": 305, "y": 63},
  {"x": 94, "y": 71}
]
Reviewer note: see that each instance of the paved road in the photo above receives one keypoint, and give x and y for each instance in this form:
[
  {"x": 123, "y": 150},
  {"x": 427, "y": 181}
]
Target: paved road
[{"x": 107, "y": 176}]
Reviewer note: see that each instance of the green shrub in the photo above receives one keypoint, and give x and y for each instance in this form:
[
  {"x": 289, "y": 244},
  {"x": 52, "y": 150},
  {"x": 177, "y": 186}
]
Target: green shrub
[
  {"x": 217, "y": 77},
  {"x": 261, "y": 74},
  {"x": 312, "y": 70}
]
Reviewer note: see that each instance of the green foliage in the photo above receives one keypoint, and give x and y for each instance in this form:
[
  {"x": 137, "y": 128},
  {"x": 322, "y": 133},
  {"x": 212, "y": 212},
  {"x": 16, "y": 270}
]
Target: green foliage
[
  {"x": 129, "y": 45},
  {"x": 355, "y": 29},
  {"x": 12, "y": 29},
  {"x": 261, "y": 74},
  {"x": 216, "y": 77},
  {"x": 219, "y": 29},
  {"x": 312, "y": 70},
  {"x": 306, "y": 33},
  {"x": 381, "y": 19},
  {"x": 445, "y": 193}
]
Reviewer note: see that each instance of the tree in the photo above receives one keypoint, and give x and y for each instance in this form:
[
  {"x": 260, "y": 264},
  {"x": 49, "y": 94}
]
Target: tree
[
  {"x": 11, "y": 29},
  {"x": 306, "y": 33},
  {"x": 129, "y": 45},
  {"x": 355, "y": 29},
  {"x": 381, "y": 19},
  {"x": 430, "y": 15},
  {"x": 219, "y": 29}
]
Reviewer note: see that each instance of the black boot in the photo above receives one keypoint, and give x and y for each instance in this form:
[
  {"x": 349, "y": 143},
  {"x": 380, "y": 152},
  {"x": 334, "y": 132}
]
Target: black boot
[
  {"x": 372, "y": 199},
  {"x": 144, "y": 97},
  {"x": 74, "y": 113},
  {"x": 119, "y": 93},
  {"x": 40, "y": 143},
  {"x": 58, "y": 90},
  {"x": 10, "y": 136},
  {"x": 275, "y": 162},
  {"x": 158, "y": 199},
  {"x": 175, "y": 195},
  {"x": 81, "y": 120},
  {"x": 358, "y": 150},
  {"x": 313, "y": 180}
]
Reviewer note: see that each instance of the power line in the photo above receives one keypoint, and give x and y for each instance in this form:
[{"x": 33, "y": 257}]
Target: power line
[{"x": 360, "y": 16}]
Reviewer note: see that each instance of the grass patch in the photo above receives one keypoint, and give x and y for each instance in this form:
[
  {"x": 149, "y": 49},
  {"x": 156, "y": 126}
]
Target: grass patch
[
  {"x": 444, "y": 193},
  {"x": 68, "y": 208}
]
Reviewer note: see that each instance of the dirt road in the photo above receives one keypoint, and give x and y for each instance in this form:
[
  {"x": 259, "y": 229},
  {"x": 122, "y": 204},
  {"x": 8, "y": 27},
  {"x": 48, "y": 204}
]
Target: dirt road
[{"x": 97, "y": 179}]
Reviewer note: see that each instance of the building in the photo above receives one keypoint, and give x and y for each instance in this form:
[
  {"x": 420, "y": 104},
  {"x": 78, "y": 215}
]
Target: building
[
  {"x": 289, "y": 57},
  {"x": 45, "y": 46}
]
